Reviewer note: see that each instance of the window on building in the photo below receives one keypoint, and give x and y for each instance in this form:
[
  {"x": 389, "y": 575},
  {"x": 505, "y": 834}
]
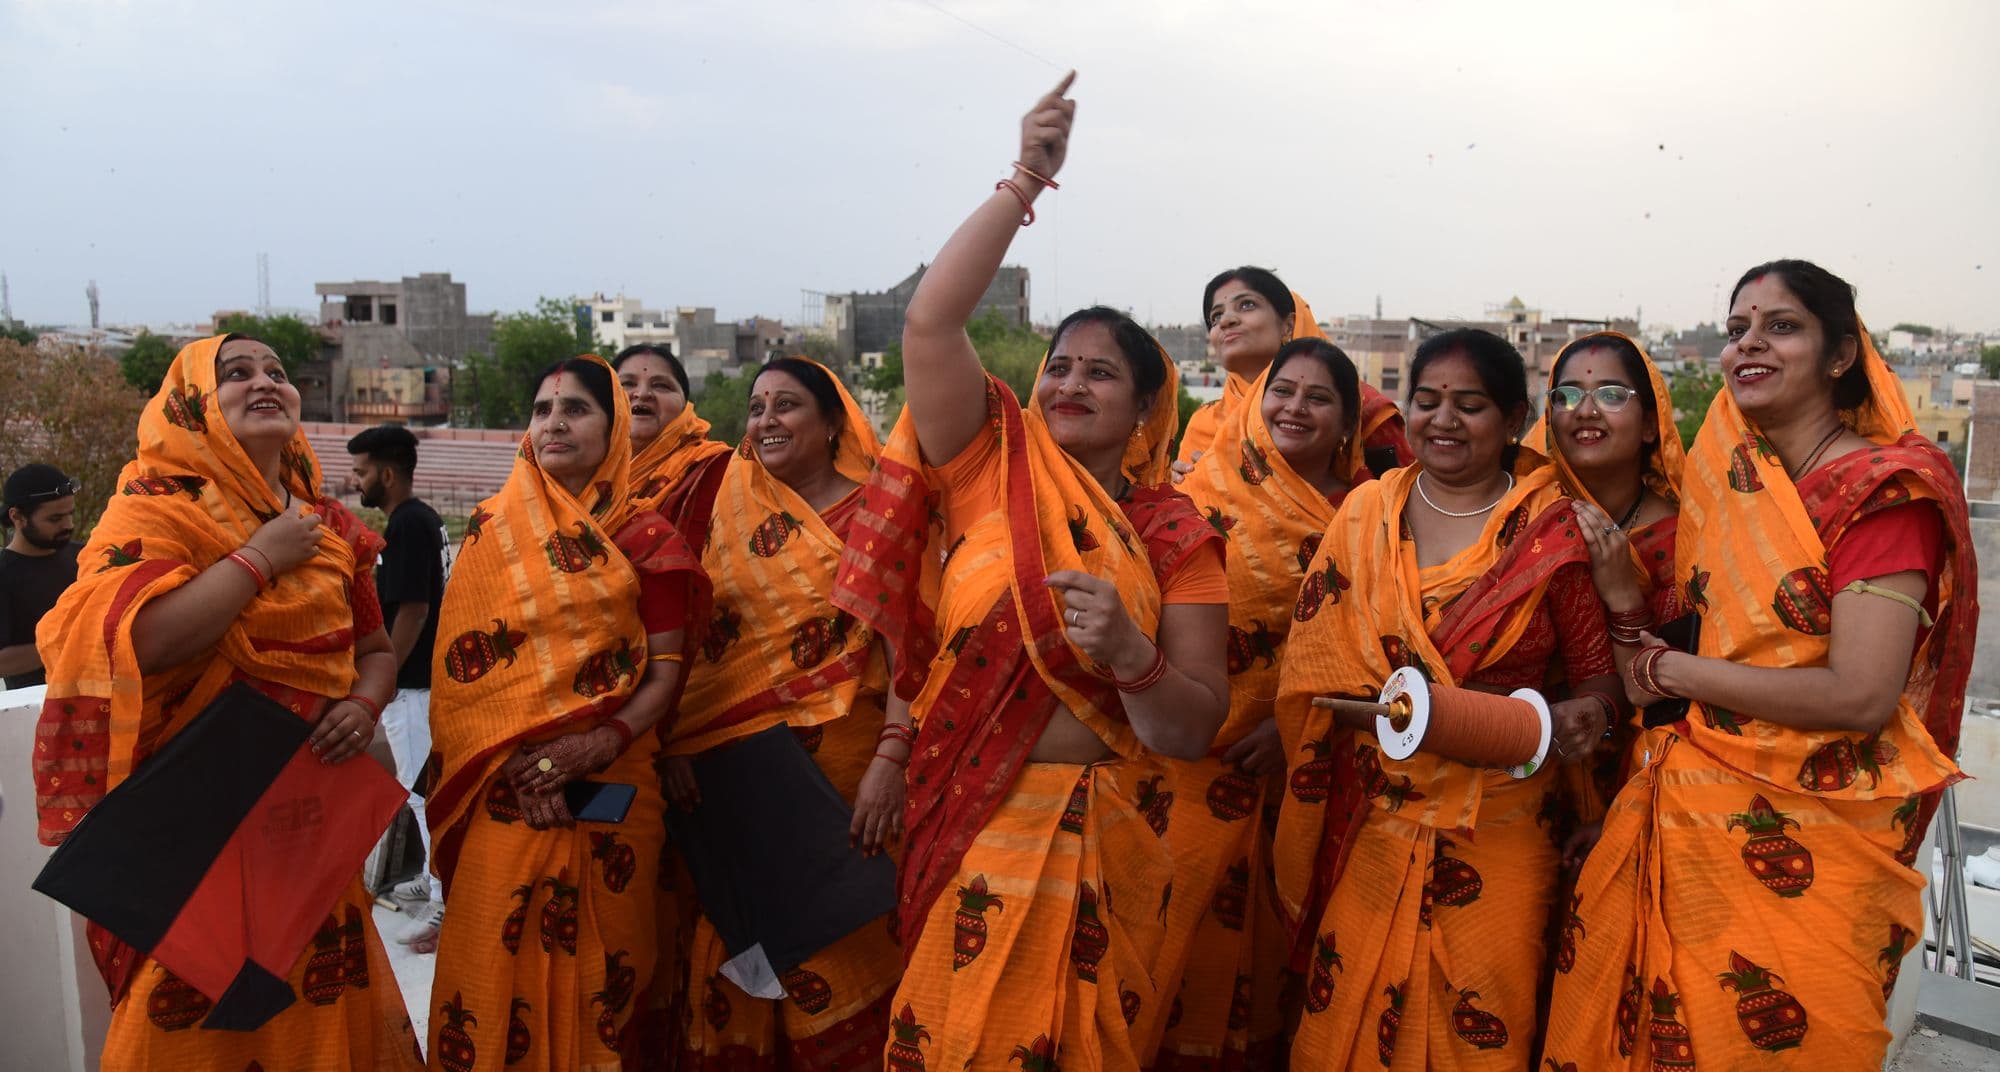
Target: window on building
[
  {"x": 360, "y": 309},
  {"x": 388, "y": 312},
  {"x": 1944, "y": 436},
  {"x": 607, "y": 316}
]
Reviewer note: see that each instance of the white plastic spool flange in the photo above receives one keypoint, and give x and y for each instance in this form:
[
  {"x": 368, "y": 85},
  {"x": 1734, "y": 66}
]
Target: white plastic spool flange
[{"x": 1404, "y": 743}]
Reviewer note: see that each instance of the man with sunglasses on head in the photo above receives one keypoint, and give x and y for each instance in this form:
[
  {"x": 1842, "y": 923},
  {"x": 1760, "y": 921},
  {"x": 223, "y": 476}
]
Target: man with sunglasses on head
[{"x": 38, "y": 563}]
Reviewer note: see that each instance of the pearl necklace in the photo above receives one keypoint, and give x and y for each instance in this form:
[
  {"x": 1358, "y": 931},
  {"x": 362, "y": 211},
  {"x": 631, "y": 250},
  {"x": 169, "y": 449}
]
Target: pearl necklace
[{"x": 1468, "y": 513}]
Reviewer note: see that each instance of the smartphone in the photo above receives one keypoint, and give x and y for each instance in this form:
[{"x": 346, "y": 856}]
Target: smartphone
[
  {"x": 599, "y": 802},
  {"x": 1680, "y": 634}
]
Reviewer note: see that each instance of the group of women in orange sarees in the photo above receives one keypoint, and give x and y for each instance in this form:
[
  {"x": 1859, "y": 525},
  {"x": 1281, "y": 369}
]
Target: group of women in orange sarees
[{"x": 1078, "y": 703}]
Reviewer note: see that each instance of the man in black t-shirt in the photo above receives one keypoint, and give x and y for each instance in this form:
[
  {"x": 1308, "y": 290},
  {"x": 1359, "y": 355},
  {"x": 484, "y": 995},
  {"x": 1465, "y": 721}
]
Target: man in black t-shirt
[
  {"x": 38, "y": 563},
  {"x": 410, "y": 580}
]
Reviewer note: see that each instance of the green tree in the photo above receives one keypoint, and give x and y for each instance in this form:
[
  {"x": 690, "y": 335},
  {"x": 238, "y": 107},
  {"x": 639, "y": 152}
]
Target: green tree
[
  {"x": 1921, "y": 331},
  {"x": 145, "y": 364},
  {"x": 1691, "y": 391},
  {"x": 19, "y": 334},
  {"x": 66, "y": 406},
  {"x": 1989, "y": 362},
  {"x": 293, "y": 340},
  {"x": 494, "y": 387},
  {"x": 724, "y": 402}
]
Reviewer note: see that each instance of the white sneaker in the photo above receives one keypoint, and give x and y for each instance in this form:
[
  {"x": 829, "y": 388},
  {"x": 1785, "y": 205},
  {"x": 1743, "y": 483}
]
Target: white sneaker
[
  {"x": 412, "y": 893},
  {"x": 1984, "y": 869},
  {"x": 426, "y": 922}
]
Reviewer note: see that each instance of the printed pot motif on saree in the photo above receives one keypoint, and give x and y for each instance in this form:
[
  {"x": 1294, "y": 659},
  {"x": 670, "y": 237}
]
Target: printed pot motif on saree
[
  {"x": 1752, "y": 893},
  {"x": 1426, "y": 949},
  {"x": 552, "y": 934},
  {"x": 189, "y": 498},
  {"x": 777, "y": 653},
  {"x": 1031, "y": 893},
  {"x": 1226, "y": 944}
]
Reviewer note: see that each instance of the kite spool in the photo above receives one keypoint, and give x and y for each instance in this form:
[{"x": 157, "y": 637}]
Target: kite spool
[{"x": 1474, "y": 728}]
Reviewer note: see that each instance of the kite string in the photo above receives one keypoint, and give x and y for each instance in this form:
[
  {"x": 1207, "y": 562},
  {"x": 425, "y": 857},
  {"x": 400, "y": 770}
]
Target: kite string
[
  {"x": 1054, "y": 210},
  {"x": 983, "y": 30}
]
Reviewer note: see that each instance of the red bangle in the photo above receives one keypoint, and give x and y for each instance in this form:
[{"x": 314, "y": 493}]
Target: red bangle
[
  {"x": 374, "y": 709},
  {"x": 1027, "y": 206},
  {"x": 898, "y": 731},
  {"x": 1037, "y": 176},
  {"x": 1645, "y": 670},
  {"x": 623, "y": 731},
  {"x": 1148, "y": 679},
  {"x": 903, "y": 762},
  {"x": 255, "y": 573}
]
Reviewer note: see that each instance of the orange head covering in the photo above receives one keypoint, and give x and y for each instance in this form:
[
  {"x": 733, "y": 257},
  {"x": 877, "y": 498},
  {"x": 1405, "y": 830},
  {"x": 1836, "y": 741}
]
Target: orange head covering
[
  {"x": 1663, "y": 467},
  {"x": 189, "y": 498},
  {"x": 659, "y": 467}
]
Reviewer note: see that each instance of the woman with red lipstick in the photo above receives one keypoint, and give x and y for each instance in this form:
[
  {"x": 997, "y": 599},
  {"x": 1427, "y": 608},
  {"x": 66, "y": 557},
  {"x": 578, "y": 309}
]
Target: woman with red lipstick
[
  {"x": 1270, "y": 486},
  {"x": 673, "y": 460},
  {"x": 1083, "y": 611},
  {"x": 1752, "y": 891},
  {"x": 1469, "y": 566}
]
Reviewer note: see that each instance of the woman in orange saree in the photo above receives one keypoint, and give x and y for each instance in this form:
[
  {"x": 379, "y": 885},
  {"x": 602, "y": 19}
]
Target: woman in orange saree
[
  {"x": 1751, "y": 899},
  {"x": 1270, "y": 484},
  {"x": 673, "y": 460},
  {"x": 1250, "y": 313},
  {"x": 778, "y": 654},
  {"x": 566, "y": 615},
  {"x": 207, "y": 574},
  {"x": 1609, "y": 431},
  {"x": 1083, "y": 606},
  {"x": 1468, "y": 566}
]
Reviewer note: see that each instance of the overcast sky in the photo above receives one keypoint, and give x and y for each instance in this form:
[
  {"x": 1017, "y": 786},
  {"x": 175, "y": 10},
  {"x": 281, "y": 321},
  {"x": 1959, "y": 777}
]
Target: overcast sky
[{"x": 1593, "y": 158}]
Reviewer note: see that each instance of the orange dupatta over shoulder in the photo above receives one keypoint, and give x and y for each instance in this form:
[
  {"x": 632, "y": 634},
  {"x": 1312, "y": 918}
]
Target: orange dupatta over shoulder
[{"x": 665, "y": 470}]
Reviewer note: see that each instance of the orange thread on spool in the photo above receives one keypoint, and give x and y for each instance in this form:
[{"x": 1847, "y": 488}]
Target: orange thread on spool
[{"x": 1480, "y": 729}]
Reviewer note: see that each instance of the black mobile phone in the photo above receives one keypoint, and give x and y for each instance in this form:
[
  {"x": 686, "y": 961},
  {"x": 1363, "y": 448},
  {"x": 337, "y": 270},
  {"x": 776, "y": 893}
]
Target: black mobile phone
[
  {"x": 1680, "y": 635},
  {"x": 599, "y": 802}
]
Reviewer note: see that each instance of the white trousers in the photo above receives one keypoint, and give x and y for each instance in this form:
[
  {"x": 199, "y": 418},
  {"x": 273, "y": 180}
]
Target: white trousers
[{"x": 406, "y": 723}]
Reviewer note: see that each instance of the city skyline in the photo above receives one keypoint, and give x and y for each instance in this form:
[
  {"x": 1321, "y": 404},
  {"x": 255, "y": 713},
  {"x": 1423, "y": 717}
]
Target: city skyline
[{"x": 1595, "y": 163}]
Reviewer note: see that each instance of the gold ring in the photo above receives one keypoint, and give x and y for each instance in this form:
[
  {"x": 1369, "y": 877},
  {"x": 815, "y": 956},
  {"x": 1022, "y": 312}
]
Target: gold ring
[{"x": 545, "y": 764}]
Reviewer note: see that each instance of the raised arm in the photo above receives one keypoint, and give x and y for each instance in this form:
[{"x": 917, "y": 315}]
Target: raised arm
[{"x": 942, "y": 378}]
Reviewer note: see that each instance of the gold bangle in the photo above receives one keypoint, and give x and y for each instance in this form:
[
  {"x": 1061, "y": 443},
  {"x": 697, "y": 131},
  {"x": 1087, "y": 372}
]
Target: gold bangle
[{"x": 666, "y": 657}]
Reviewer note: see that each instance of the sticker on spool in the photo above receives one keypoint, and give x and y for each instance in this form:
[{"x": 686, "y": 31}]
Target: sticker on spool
[
  {"x": 1401, "y": 743},
  {"x": 1541, "y": 707}
]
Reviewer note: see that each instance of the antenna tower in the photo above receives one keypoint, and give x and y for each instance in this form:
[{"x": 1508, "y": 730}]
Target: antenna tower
[
  {"x": 263, "y": 284},
  {"x": 6, "y": 301},
  {"x": 91, "y": 293}
]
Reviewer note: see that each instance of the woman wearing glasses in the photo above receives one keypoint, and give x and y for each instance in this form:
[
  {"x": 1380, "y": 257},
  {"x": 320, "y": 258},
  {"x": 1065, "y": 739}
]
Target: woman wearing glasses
[{"x": 1610, "y": 434}]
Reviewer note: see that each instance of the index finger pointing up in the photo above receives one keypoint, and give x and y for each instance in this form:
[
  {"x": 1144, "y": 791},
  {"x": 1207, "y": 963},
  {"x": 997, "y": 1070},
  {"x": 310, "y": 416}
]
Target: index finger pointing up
[{"x": 1062, "y": 87}]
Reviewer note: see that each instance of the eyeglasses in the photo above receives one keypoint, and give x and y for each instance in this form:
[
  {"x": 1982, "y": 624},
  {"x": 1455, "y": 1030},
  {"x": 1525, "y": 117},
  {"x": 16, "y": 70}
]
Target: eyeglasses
[
  {"x": 1611, "y": 397},
  {"x": 67, "y": 487}
]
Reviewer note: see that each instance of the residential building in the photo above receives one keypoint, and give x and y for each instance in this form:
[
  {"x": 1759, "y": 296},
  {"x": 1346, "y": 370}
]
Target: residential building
[
  {"x": 408, "y": 335},
  {"x": 862, "y": 322}
]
